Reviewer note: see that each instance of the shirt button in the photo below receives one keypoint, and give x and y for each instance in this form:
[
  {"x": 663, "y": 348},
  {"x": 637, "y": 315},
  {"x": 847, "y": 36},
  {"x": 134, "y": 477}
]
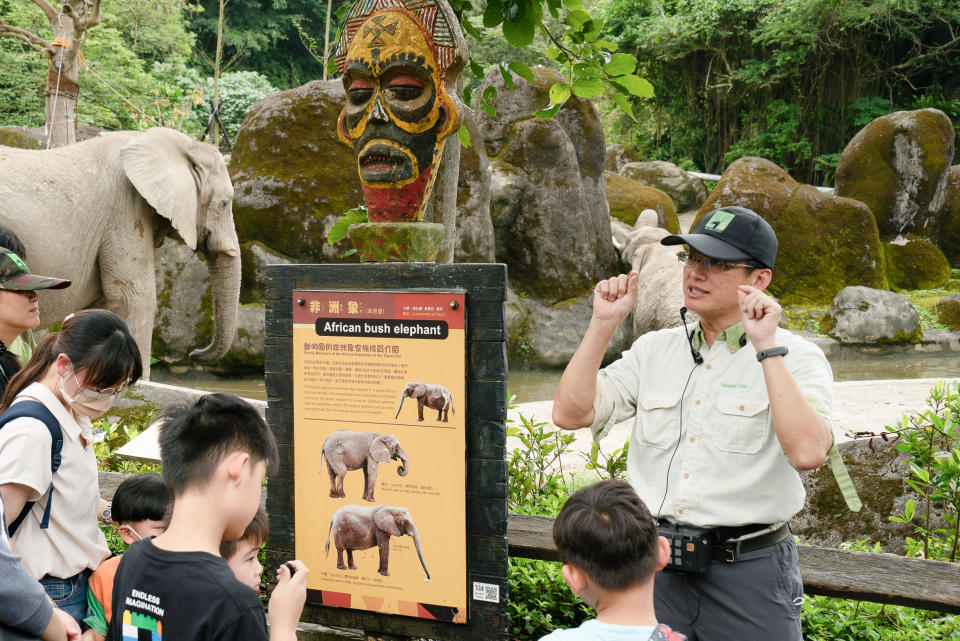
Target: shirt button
[
  {"x": 709, "y": 366},
  {"x": 686, "y": 476},
  {"x": 680, "y": 510},
  {"x": 693, "y": 439},
  {"x": 741, "y": 408},
  {"x": 698, "y": 402}
]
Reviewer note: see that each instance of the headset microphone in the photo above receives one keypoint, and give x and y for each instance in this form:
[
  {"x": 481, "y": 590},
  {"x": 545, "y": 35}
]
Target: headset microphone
[{"x": 697, "y": 357}]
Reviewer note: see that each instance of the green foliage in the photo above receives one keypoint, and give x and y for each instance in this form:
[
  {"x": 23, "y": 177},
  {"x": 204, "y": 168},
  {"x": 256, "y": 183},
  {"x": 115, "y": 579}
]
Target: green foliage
[
  {"x": 932, "y": 440},
  {"x": 239, "y": 90},
  {"x": 607, "y": 466},
  {"x": 116, "y": 435},
  {"x": 719, "y": 65},
  {"x": 540, "y": 600},
  {"x": 776, "y": 138},
  {"x": 537, "y": 483},
  {"x": 350, "y": 217}
]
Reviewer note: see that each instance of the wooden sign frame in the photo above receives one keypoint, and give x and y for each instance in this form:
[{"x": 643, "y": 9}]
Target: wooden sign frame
[{"x": 485, "y": 286}]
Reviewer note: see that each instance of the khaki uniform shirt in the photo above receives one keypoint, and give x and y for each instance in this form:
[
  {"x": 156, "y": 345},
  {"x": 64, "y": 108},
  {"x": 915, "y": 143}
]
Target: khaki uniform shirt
[
  {"x": 727, "y": 465},
  {"x": 73, "y": 541}
]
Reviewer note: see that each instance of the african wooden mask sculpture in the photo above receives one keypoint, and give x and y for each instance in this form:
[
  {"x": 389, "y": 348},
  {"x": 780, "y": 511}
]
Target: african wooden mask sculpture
[{"x": 400, "y": 62}]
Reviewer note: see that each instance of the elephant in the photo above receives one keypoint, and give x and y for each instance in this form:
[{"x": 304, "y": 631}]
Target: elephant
[
  {"x": 94, "y": 211},
  {"x": 345, "y": 450},
  {"x": 360, "y": 527},
  {"x": 435, "y": 397}
]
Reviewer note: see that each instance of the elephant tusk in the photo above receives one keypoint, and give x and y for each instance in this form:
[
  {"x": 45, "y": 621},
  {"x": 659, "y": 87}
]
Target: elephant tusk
[{"x": 232, "y": 253}]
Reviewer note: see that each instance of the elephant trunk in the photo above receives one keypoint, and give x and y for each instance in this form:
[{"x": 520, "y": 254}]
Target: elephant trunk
[
  {"x": 404, "y": 468},
  {"x": 416, "y": 541},
  {"x": 225, "y": 290},
  {"x": 399, "y": 407}
]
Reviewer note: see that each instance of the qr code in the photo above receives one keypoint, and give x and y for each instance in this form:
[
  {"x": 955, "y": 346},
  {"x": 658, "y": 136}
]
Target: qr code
[{"x": 486, "y": 592}]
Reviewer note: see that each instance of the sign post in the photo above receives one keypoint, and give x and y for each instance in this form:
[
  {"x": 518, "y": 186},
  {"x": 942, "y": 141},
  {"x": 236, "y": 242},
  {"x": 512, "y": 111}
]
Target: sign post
[{"x": 387, "y": 391}]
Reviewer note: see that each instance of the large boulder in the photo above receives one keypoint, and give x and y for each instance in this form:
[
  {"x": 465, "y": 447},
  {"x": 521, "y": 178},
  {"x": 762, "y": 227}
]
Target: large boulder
[
  {"x": 898, "y": 166},
  {"x": 19, "y": 137},
  {"x": 826, "y": 242},
  {"x": 865, "y": 315},
  {"x": 254, "y": 257},
  {"x": 660, "y": 289},
  {"x": 914, "y": 263},
  {"x": 618, "y": 156},
  {"x": 627, "y": 198},
  {"x": 687, "y": 191},
  {"x": 948, "y": 311},
  {"x": 292, "y": 177},
  {"x": 474, "y": 225},
  {"x": 544, "y": 334},
  {"x": 547, "y": 201},
  {"x": 948, "y": 236}
]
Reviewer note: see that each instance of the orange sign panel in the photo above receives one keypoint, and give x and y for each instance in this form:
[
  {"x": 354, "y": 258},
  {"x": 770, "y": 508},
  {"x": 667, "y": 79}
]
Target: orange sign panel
[{"x": 379, "y": 456}]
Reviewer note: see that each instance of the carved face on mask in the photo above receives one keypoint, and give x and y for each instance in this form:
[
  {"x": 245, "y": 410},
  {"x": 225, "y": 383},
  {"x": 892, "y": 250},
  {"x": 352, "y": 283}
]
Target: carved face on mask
[{"x": 398, "y": 113}]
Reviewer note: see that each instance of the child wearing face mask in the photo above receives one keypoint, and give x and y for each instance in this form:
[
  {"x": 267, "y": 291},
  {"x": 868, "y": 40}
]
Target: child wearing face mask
[
  {"x": 138, "y": 509},
  {"x": 72, "y": 377}
]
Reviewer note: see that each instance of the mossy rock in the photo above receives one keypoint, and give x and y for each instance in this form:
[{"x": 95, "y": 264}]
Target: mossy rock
[
  {"x": 254, "y": 257},
  {"x": 19, "y": 137},
  {"x": 512, "y": 106},
  {"x": 897, "y": 166},
  {"x": 245, "y": 355},
  {"x": 948, "y": 311},
  {"x": 619, "y": 155},
  {"x": 948, "y": 234},
  {"x": 914, "y": 263},
  {"x": 825, "y": 242},
  {"x": 628, "y": 197},
  {"x": 687, "y": 191},
  {"x": 474, "y": 225},
  {"x": 292, "y": 177},
  {"x": 863, "y": 315}
]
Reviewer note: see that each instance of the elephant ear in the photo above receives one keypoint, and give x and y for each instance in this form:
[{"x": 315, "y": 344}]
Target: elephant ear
[
  {"x": 379, "y": 450},
  {"x": 386, "y": 520},
  {"x": 160, "y": 168}
]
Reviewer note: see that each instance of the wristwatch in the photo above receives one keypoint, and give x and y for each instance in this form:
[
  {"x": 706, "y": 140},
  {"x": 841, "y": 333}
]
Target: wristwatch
[
  {"x": 773, "y": 351},
  {"x": 107, "y": 513}
]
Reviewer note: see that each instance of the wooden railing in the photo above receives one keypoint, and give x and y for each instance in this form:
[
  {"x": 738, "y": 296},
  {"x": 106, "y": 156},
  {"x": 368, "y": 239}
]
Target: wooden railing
[
  {"x": 865, "y": 576},
  {"x": 881, "y": 578}
]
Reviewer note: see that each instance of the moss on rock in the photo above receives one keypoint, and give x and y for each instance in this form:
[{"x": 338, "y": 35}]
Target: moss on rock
[
  {"x": 19, "y": 137},
  {"x": 826, "y": 242},
  {"x": 948, "y": 233},
  {"x": 292, "y": 177},
  {"x": 915, "y": 264},
  {"x": 628, "y": 197},
  {"x": 948, "y": 311}
]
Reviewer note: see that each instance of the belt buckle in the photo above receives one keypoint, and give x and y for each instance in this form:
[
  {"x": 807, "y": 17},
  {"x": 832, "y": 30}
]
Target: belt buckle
[{"x": 731, "y": 553}]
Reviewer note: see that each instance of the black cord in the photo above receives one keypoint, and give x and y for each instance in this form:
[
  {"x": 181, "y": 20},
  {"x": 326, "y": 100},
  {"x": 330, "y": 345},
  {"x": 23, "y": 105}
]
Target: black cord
[{"x": 676, "y": 447}]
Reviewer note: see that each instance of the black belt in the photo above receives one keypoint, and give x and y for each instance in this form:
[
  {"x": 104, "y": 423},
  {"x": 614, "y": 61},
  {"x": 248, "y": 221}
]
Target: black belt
[{"x": 728, "y": 551}]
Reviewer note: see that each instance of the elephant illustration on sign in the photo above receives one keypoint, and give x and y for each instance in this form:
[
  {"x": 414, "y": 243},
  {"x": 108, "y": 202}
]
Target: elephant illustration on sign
[
  {"x": 94, "y": 211},
  {"x": 435, "y": 397},
  {"x": 360, "y": 527},
  {"x": 344, "y": 450}
]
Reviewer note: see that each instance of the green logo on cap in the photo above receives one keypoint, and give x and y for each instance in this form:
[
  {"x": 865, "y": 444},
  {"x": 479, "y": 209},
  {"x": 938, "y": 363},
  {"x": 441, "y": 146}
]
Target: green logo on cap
[
  {"x": 719, "y": 221},
  {"x": 19, "y": 263}
]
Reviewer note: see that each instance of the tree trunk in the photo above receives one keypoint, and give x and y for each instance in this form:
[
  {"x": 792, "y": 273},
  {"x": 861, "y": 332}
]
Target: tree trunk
[{"x": 63, "y": 74}]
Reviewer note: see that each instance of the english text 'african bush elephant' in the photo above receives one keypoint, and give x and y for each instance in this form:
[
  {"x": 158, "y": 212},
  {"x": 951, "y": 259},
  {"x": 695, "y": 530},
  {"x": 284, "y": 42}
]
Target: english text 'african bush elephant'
[
  {"x": 360, "y": 527},
  {"x": 345, "y": 450},
  {"x": 94, "y": 211},
  {"x": 435, "y": 397}
]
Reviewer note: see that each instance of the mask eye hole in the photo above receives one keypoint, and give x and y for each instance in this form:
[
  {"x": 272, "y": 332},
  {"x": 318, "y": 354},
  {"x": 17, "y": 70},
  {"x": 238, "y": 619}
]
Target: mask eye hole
[
  {"x": 404, "y": 87},
  {"x": 359, "y": 91}
]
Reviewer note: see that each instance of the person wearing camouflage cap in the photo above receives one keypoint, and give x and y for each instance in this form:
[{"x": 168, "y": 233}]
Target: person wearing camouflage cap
[{"x": 19, "y": 306}]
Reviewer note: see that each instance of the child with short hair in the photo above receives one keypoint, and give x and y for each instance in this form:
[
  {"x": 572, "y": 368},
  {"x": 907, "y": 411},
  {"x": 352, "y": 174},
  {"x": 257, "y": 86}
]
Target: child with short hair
[
  {"x": 242, "y": 554},
  {"x": 138, "y": 508},
  {"x": 215, "y": 454},
  {"x": 610, "y": 549}
]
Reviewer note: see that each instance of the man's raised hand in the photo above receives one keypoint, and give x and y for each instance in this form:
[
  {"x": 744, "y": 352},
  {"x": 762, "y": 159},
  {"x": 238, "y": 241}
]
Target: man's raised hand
[{"x": 613, "y": 298}]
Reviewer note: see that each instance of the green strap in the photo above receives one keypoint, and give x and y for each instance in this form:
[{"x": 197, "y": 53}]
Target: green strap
[{"x": 844, "y": 481}]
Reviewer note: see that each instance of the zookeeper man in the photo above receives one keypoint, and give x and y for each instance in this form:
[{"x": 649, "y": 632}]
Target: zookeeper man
[{"x": 726, "y": 415}]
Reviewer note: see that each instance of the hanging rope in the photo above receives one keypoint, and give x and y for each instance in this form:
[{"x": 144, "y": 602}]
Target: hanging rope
[{"x": 121, "y": 96}]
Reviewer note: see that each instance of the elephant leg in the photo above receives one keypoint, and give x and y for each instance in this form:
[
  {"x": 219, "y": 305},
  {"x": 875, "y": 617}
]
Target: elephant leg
[
  {"x": 129, "y": 284},
  {"x": 340, "y": 479},
  {"x": 333, "y": 481},
  {"x": 340, "y": 565},
  {"x": 420, "y": 409},
  {"x": 369, "y": 479},
  {"x": 446, "y": 415},
  {"x": 350, "y": 563}
]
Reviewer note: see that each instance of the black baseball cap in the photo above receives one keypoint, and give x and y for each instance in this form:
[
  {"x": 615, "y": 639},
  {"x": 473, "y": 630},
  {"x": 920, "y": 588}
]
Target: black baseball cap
[
  {"x": 731, "y": 233},
  {"x": 15, "y": 275}
]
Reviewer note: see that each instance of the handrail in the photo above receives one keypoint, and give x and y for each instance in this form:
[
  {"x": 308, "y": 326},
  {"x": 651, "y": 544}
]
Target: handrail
[{"x": 864, "y": 576}]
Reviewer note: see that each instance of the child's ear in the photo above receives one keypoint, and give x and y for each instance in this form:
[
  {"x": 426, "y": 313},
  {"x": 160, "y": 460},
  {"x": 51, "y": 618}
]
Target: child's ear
[
  {"x": 575, "y": 577},
  {"x": 663, "y": 552},
  {"x": 234, "y": 466},
  {"x": 126, "y": 535}
]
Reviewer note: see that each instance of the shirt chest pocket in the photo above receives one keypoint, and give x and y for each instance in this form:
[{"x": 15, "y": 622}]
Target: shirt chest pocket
[
  {"x": 741, "y": 423},
  {"x": 658, "y": 421}
]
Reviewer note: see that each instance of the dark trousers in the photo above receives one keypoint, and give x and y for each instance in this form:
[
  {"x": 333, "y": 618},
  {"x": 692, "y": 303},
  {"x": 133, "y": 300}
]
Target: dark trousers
[{"x": 757, "y": 598}]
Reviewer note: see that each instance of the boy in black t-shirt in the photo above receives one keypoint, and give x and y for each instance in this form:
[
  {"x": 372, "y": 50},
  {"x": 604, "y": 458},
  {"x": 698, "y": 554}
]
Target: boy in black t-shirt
[{"x": 215, "y": 454}]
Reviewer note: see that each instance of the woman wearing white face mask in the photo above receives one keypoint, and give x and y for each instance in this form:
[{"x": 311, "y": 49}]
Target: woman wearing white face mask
[{"x": 73, "y": 377}]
